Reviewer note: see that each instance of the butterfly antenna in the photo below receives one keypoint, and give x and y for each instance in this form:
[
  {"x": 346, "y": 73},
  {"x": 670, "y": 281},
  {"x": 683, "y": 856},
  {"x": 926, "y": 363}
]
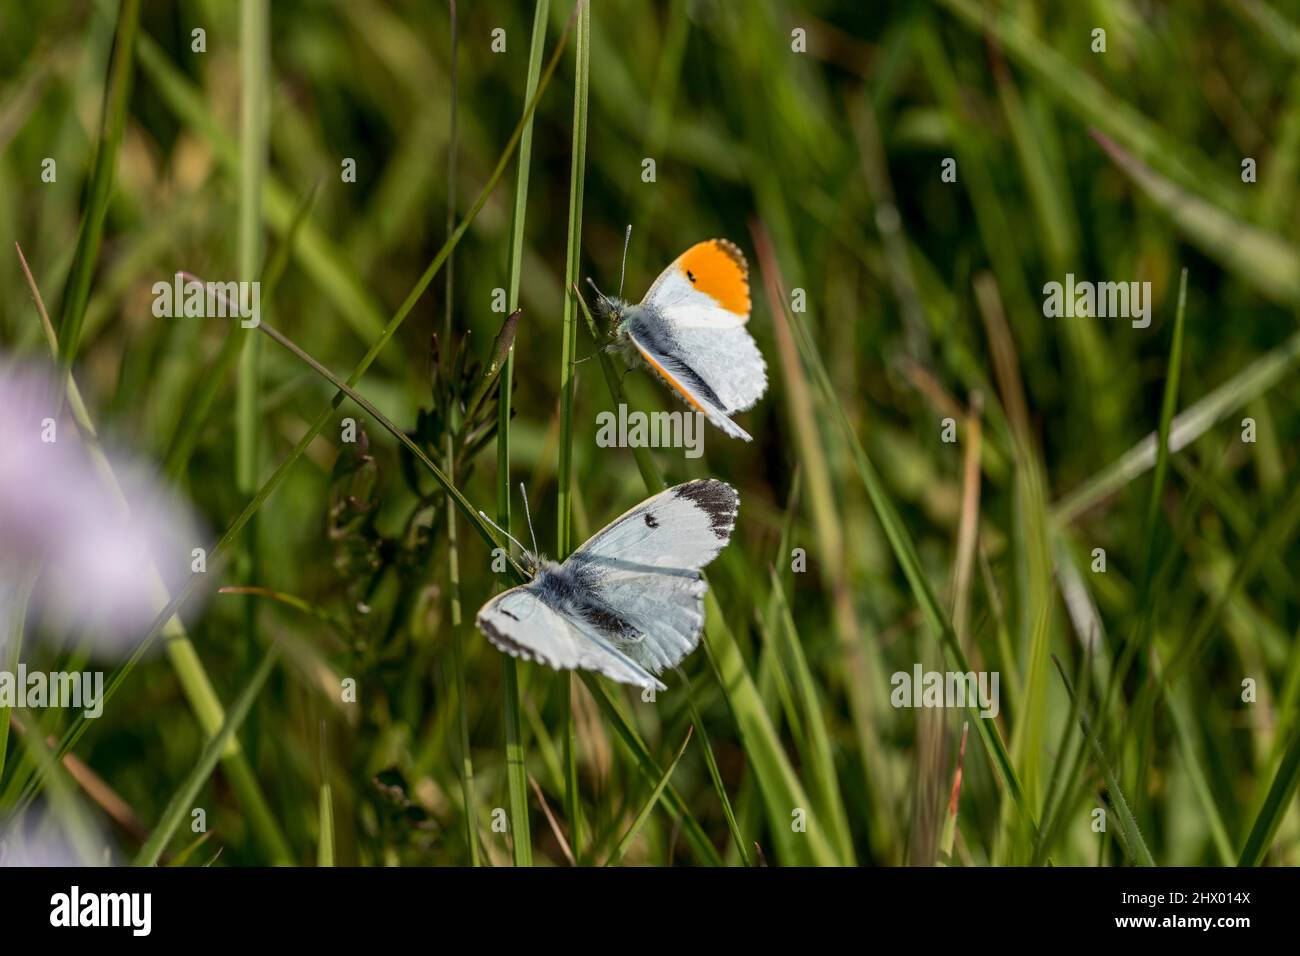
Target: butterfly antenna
[
  {"x": 595, "y": 288},
  {"x": 627, "y": 238},
  {"x": 528, "y": 517},
  {"x": 503, "y": 531}
]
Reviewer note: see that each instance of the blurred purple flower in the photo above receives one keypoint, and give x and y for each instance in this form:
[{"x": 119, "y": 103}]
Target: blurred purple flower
[
  {"x": 38, "y": 839},
  {"x": 103, "y": 567}
]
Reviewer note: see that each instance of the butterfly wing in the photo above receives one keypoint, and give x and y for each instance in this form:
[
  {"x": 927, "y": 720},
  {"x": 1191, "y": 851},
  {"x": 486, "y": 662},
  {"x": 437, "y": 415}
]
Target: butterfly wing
[
  {"x": 679, "y": 372},
  {"x": 691, "y": 329},
  {"x": 523, "y": 622},
  {"x": 706, "y": 286},
  {"x": 643, "y": 569}
]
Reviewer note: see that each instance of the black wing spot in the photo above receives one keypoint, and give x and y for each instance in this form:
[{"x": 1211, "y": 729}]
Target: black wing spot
[
  {"x": 651, "y": 521},
  {"x": 510, "y": 614},
  {"x": 690, "y": 275}
]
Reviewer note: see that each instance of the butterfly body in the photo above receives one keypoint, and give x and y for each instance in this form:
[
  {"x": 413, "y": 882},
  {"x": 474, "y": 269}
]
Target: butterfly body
[
  {"x": 690, "y": 330},
  {"x": 628, "y": 603}
]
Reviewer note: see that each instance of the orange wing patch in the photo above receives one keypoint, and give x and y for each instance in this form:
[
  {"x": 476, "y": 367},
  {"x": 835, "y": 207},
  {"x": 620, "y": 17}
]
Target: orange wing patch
[{"x": 717, "y": 268}]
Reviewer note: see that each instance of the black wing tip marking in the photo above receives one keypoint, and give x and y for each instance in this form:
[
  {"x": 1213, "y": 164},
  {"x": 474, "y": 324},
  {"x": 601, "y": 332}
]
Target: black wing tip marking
[
  {"x": 733, "y": 250},
  {"x": 715, "y": 498}
]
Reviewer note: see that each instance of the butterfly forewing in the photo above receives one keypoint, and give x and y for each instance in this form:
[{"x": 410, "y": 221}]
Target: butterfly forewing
[
  {"x": 643, "y": 569},
  {"x": 662, "y": 354},
  {"x": 707, "y": 285}
]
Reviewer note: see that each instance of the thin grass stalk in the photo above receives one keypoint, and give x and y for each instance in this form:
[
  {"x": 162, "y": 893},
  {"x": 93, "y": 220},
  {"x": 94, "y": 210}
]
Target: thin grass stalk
[
  {"x": 1146, "y": 622},
  {"x": 949, "y": 834},
  {"x": 714, "y": 774},
  {"x": 450, "y": 433},
  {"x": 1193, "y": 422},
  {"x": 820, "y": 758},
  {"x": 1134, "y": 845},
  {"x": 325, "y": 849},
  {"x": 1052, "y": 809},
  {"x": 568, "y": 369},
  {"x": 669, "y": 797},
  {"x": 643, "y": 814},
  {"x": 254, "y": 82},
  {"x": 1275, "y": 806},
  {"x": 179, "y": 805},
  {"x": 1140, "y": 638},
  {"x": 117, "y": 95},
  {"x": 325, "y": 814},
  {"x": 516, "y": 771},
  {"x": 968, "y": 524},
  {"x": 205, "y": 391}
]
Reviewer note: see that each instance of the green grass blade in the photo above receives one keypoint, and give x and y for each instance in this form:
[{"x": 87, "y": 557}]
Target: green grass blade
[
  {"x": 573, "y": 256},
  {"x": 643, "y": 814},
  {"x": 516, "y": 771},
  {"x": 1198, "y": 418},
  {"x": 1264, "y": 260},
  {"x": 645, "y": 762},
  {"x": 254, "y": 83},
  {"x": 183, "y": 799},
  {"x": 1092, "y": 103},
  {"x": 821, "y": 760},
  {"x": 1276, "y": 804},
  {"x": 715, "y": 775},
  {"x": 568, "y": 369},
  {"x": 517, "y": 217},
  {"x": 112, "y": 127},
  {"x": 325, "y": 848},
  {"x": 1168, "y": 405},
  {"x": 450, "y": 441},
  {"x": 254, "y": 62},
  {"x": 1184, "y": 733},
  {"x": 1132, "y": 837}
]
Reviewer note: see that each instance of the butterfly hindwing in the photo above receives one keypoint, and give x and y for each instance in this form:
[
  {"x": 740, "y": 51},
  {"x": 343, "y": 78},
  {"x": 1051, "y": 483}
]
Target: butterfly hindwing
[
  {"x": 680, "y": 375},
  {"x": 525, "y": 622},
  {"x": 728, "y": 361}
]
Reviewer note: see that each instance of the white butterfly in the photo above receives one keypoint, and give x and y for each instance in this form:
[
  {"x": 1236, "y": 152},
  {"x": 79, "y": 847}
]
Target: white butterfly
[
  {"x": 690, "y": 328},
  {"x": 629, "y": 602}
]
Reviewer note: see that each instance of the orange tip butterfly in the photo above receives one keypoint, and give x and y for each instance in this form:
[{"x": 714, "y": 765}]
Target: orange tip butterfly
[{"x": 690, "y": 329}]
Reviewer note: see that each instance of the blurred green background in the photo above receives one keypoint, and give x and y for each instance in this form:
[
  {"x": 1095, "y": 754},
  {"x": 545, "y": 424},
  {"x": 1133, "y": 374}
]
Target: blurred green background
[{"x": 814, "y": 135}]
